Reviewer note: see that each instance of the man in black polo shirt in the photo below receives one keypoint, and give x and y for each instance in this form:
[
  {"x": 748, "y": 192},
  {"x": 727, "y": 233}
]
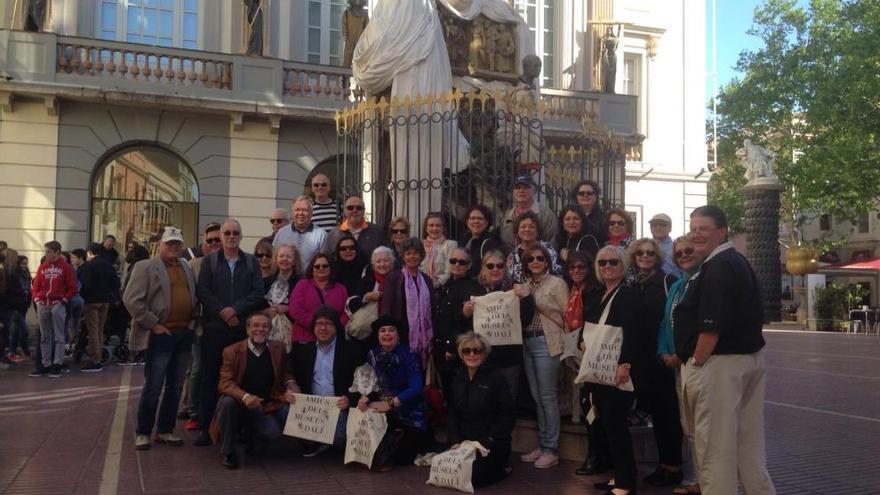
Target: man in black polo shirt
[{"x": 718, "y": 327}]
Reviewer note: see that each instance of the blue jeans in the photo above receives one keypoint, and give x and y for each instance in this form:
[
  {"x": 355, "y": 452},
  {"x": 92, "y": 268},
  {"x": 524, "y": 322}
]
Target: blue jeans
[
  {"x": 232, "y": 415},
  {"x": 167, "y": 357},
  {"x": 52, "y": 332},
  {"x": 542, "y": 373},
  {"x": 19, "y": 335},
  {"x": 75, "y": 310}
]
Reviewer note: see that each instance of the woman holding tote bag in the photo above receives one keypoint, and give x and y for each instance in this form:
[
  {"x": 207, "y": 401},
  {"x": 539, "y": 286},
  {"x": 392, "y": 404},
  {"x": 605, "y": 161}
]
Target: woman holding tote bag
[{"x": 611, "y": 402}]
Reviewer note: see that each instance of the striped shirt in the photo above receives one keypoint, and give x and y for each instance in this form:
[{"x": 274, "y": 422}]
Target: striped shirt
[{"x": 325, "y": 216}]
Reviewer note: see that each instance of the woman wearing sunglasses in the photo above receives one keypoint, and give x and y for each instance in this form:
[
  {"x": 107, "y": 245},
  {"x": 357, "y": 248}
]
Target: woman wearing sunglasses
[
  {"x": 613, "y": 404},
  {"x": 437, "y": 249},
  {"x": 542, "y": 343},
  {"x": 689, "y": 262},
  {"x": 263, "y": 252},
  {"x": 586, "y": 195},
  {"x": 450, "y": 298},
  {"x": 348, "y": 263},
  {"x": 653, "y": 381},
  {"x": 527, "y": 232},
  {"x": 481, "y": 409},
  {"x": 398, "y": 232},
  {"x": 620, "y": 228},
  {"x": 481, "y": 237},
  {"x": 318, "y": 288}
]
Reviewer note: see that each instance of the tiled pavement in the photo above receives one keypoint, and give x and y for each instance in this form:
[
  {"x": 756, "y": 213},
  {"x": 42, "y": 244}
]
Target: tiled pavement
[{"x": 823, "y": 436}]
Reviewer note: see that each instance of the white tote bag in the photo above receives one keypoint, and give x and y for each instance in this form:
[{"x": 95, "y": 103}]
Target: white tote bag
[
  {"x": 453, "y": 468},
  {"x": 602, "y": 344}
]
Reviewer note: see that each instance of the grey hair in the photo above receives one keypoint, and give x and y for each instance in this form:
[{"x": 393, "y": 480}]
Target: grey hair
[
  {"x": 381, "y": 250},
  {"x": 473, "y": 337},
  {"x": 281, "y": 211},
  {"x": 307, "y": 200}
]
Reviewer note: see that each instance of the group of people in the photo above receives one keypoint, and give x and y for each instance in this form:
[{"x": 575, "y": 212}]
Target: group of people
[{"x": 317, "y": 299}]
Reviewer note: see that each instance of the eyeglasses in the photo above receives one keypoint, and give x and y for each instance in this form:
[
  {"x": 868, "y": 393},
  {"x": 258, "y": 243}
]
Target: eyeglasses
[
  {"x": 586, "y": 193},
  {"x": 459, "y": 261},
  {"x": 577, "y": 267},
  {"x": 608, "y": 262},
  {"x": 398, "y": 231},
  {"x": 323, "y": 323},
  {"x": 659, "y": 224},
  {"x": 211, "y": 240},
  {"x": 260, "y": 256},
  {"x": 540, "y": 259},
  {"x": 320, "y": 184},
  {"x": 684, "y": 252},
  {"x": 276, "y": 220},
  {"x": 495, "y": 266},
  {"x": 476, "y": 218},
  {"x": 354, "y": 207},
  {"x": 232, "y": 233},
  {"x": 616, "y": 223},
  {"x": 467, "y": 351},
  {"x": 320, "y": 266},
  {"x": 348, "y": 247},
  {"x": 647, "y": 253}
]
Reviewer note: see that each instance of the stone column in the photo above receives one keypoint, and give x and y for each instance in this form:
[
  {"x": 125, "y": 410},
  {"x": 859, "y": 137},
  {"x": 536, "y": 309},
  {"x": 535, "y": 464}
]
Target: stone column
[{"x": 762, "y": 241}]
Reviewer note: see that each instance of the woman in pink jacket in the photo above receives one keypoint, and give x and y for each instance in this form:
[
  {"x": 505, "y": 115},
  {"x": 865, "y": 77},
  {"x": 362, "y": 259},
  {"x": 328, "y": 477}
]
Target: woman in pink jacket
[{"x": 317, "y": 289}]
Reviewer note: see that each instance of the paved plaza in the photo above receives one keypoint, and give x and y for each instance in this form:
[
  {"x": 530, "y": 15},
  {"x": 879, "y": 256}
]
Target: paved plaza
[{"x": 75, "y": 435}]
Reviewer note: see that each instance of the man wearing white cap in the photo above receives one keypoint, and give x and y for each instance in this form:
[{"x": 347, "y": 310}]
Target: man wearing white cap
[
  {"x": 161, "y": 297},
  {"x": 661, "y": 225}
]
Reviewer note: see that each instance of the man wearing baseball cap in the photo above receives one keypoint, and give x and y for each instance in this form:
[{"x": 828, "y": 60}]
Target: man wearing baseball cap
[
  {"x": 524, "y": 200},
  {"x": 661, "y": 225},
  {"x": 161, "y": 297}
]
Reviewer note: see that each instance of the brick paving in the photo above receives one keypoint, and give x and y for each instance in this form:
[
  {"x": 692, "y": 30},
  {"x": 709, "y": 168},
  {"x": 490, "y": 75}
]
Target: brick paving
[{"x": 823, "y": 436}]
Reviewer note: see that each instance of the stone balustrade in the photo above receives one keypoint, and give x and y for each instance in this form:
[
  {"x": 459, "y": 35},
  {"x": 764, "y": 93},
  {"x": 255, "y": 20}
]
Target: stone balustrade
[
  {"x": 308, "y": 80},
  {"x": 565, "y": 104}
]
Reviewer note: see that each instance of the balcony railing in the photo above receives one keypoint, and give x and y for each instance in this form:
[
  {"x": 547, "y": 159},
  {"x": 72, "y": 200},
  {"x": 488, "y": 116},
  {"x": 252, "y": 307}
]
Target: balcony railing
[{"x": 86, "y": 68}]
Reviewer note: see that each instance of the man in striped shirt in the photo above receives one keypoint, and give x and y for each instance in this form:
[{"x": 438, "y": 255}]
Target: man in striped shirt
[{"x": 325, "y": 211}]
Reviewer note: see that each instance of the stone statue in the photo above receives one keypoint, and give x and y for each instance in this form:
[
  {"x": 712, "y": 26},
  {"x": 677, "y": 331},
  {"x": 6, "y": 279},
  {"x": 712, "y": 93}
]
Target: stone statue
[
  {"x": 354, "y": 21},
  {"x": 759, "y": 161},
  {"x": 531, "y": 69},
  {"x": 254, "y": 26},
  {"x": 521, "y": 108},
  {"x": 456, "y": 40},
  {"x": 34, "y": 15},
  {"x": 609, "y": 59},
  {"x": 478, "y": 46},
  {"x": 505, "y": 49}
]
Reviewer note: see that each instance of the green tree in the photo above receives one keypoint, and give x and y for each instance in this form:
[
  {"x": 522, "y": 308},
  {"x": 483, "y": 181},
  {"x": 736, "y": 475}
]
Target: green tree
[{"x": 812, "y": 94}]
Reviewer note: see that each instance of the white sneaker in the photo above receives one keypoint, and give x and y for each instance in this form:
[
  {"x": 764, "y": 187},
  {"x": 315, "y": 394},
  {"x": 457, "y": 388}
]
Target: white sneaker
[
  {"x": 531, "y": 456},
  {"x": 547, "y": 459},
  {"x": 142, "y": 442}
]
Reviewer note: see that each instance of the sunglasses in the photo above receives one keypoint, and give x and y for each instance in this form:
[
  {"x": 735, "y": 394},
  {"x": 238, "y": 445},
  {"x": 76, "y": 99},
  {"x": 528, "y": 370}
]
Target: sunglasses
[
  {"x": 535, "y": 258},
  {"x": 232, "y": 233},
  {"x": 213, "y": 240},
  {"x": 459, "y": 261},
  {"x": 467, "y": 351},
  {"x": 476, "y": 218},
  {"x": 260, "y": 256},
  {"x": 608, "y": 262},
  {"x": 320, "y": 266},
  {"x": 354, "y": 207},
  {"x": 586, "y": 193},
  {"x": 616, "y": 223},
  {"x": 320, "y": 184},
  {"x": 684, "y": 252},
  {"x": 648, "y": 253},
  {"x": 347, "y": 248},
  {"x": 398, "y": 231},
  {"x": 577, "y": 267},
  {"x": 276, "y": 220},
  {"x": 495, "y": 266}
]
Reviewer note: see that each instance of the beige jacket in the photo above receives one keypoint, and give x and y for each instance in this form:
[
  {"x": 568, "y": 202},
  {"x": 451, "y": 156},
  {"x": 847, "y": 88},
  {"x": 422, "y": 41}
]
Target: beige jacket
[
  {"x": 148, "y": 298},
  {"x": 551, "y": 301}
]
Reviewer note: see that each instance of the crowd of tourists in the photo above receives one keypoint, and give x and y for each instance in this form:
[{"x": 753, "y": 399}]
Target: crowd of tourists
[{"x": 230, "y": 337}]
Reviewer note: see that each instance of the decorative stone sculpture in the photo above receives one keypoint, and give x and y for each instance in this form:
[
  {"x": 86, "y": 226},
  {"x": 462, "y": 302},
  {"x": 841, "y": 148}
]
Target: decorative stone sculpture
[
  {"x": 354, "y": 21},
  {"x": 254, "y": 26},
  {"x": 521, "y": 108},
  {"x": 609, "y": 59},
  {"x": 759, "y": 162}
]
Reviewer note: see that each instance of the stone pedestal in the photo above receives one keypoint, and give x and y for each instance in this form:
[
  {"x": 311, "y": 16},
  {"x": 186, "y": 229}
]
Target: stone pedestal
[{"x": 762, "y": 242}]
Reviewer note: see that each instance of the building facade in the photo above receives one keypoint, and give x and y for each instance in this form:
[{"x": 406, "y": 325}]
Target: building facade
[{"x": 123, "y": 116}]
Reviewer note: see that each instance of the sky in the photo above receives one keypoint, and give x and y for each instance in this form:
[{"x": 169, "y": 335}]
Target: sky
[{"x": 734, "y": 18}]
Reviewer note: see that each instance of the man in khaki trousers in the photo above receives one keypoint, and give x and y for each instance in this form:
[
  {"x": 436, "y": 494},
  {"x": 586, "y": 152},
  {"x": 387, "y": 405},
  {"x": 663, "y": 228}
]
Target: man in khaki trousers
[{"x": 718, "y": 334}]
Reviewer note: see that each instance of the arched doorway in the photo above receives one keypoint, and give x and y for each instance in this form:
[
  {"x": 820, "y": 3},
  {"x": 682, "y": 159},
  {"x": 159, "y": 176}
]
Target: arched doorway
[{"x": 139, "y": 190}]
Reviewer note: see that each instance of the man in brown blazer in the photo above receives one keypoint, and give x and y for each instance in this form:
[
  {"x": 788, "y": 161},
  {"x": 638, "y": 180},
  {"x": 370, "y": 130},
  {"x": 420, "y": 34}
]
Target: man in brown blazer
[
  {"x": 161, "y": 297},
  {"x": 255, "y": 387}
]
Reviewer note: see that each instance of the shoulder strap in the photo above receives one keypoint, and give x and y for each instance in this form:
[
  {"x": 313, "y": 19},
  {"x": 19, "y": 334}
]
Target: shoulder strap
[
  {"x": 483, "y": 246},
  {"x": 666, "y": 284},
  {"x": 608, "y": 307},
  {"x": 320, "y": 294}
]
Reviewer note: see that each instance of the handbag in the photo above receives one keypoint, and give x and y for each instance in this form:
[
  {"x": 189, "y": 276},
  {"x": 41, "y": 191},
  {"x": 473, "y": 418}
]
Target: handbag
[
  {"x": 360, "y": 325},
  {"x": 281, "y": 331},
  {"x": 602, "y": 345}
]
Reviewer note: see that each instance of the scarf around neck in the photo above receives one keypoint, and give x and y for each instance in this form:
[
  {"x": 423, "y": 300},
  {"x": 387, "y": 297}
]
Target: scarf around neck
[{"x": 418, "y": 314}]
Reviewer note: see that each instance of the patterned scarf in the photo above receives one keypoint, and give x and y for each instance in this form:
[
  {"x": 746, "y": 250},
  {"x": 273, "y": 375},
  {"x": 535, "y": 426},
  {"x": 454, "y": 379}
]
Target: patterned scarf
[
  {"x": 574, "y": 314},
  {"x": 418, "y": 315},
  {"x": 431, "y": 254}
]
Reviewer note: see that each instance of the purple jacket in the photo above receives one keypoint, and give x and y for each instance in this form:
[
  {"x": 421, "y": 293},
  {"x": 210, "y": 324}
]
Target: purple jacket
[{"x": 306, "y": 297}]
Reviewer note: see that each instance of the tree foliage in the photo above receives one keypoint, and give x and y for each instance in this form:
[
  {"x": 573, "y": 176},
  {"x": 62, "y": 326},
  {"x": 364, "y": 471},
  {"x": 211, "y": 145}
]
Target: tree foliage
[{"x": 812, "y": 94}]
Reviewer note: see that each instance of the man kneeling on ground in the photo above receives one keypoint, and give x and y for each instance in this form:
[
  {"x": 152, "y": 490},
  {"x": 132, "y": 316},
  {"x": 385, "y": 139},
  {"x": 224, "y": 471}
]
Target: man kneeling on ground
[{"x": 256, "y": 390}]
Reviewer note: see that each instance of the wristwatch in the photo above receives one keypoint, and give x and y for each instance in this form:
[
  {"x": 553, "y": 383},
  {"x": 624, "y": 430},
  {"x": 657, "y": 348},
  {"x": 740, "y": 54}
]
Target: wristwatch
[{"x": 693, "y": 362}]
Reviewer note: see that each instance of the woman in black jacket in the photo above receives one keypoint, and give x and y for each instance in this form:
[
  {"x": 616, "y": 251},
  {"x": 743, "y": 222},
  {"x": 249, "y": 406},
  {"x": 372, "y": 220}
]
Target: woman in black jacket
[
  {"x": 481, "y": 409},
  {"x": 587, "y": 194},
  {"x": 481, "y": 237},
  {"x": 572, "y": 234},
  {"x": 450, "y": 298},
  {"x": 655, "y": 382},
  {"x": 612, "y": 403},
  {"x": 348, "y": 263}
]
